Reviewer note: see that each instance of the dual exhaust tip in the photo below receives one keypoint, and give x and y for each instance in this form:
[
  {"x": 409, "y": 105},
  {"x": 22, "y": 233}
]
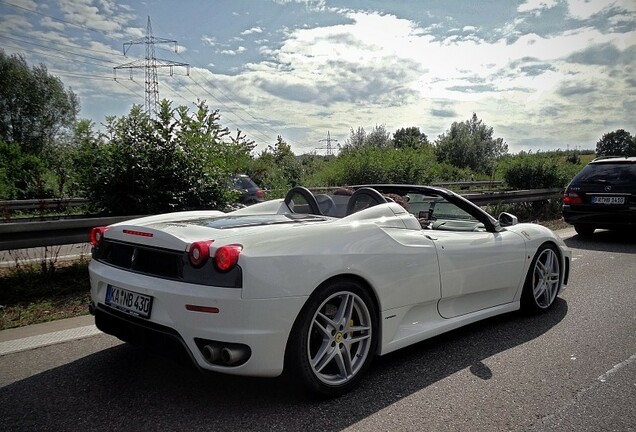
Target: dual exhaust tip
[{"x": 226, "y": 355}]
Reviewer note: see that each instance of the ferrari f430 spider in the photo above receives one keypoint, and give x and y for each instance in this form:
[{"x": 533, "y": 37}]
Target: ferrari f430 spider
[{"x": 317, "y": 285}]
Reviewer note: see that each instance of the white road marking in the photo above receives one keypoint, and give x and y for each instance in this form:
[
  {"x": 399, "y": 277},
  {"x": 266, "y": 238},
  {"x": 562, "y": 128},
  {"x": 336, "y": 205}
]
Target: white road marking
[
  {"x": 53, "y": 338},
  {"x": 615, "y": 369}
]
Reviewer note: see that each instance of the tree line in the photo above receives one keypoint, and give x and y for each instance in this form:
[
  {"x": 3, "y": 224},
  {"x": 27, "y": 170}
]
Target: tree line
[{"x": 183, "y": 159}]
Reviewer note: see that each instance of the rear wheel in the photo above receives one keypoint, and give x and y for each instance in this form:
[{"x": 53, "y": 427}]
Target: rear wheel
[
  {"x": 543, "y": 280},
  {"x": 334, "y": 339},
  {"x": 584, "y": 230}
]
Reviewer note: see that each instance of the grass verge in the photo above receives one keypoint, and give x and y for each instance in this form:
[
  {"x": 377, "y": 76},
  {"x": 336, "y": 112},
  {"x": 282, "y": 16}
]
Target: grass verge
[{"x": 32, "y": 295}]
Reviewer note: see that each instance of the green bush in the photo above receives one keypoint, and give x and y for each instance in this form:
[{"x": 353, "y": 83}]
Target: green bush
[
  {"x": 386, "y": 165},
  {"x": 538, "y": 171},
  {"x": 177, "y": 162}
]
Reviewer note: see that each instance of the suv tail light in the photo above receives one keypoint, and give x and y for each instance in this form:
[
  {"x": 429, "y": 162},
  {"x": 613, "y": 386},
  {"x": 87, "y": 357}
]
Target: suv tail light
[
  {"x": 572, "y": 199},
  {"x": 260, "y": 193},
  {"x": 226, "y": 257},
  {"x": 97, "y": 235},
  {"x": 199, "y": 252}
]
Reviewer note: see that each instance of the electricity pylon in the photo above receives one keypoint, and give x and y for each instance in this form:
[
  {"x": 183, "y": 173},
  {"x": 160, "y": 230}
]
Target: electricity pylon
[
  {"x": 150, "y": 65},
  {"x": 329, "y": 140}
]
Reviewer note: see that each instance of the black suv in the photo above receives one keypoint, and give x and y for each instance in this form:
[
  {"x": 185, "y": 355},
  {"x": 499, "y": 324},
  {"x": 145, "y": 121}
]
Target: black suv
[{"x": 602, "y": 195}]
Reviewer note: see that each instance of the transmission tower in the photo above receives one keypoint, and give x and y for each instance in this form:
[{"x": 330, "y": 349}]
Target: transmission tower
[
  {"x": 328, "y": 140},
  {"x": 150, "y": 65}
]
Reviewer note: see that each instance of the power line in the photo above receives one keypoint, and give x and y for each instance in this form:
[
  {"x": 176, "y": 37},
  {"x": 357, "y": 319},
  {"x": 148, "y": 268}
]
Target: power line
[
  {"x": 81, "y": 26},
  {"x": 66, "y": 45},
  {"x": 47, "y": 55},
  {"x": 54, "y": 49}
]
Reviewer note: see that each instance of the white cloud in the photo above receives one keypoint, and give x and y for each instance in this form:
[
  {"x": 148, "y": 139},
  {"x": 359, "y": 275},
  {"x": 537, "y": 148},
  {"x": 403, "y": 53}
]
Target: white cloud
[
  {"x": 237, "y": 51},
  {"x": 54, "y": 25},
  {"x": 208, "y": 40},
  {"x": 329, "y": 68},
  {"x": 536, "y": 5},
  {"x": 584, "y": 9},
  {"x": 252, "y": 31}
]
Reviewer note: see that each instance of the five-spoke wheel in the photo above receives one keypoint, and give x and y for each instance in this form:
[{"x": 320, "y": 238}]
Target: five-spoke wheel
[
  {"x": 335, "y": 339},
  {"x": 543, "y": 281}
]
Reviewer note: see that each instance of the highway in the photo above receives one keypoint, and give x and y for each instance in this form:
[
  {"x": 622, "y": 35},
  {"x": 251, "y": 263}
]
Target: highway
[{"x": 572, "y": 369}]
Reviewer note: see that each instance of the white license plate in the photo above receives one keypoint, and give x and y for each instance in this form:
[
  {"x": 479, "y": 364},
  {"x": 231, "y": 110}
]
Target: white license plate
[
  {"x": 608, "y": 200},
  {"x": 128, "y": 301}
]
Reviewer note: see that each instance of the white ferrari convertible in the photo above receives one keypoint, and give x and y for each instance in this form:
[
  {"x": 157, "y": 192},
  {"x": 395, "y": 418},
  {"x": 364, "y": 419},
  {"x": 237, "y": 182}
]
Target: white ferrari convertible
[{"x": 317, "y": 285}]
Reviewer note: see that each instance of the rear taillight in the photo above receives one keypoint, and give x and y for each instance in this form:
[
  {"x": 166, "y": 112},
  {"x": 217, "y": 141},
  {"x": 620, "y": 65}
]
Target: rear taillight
[
  {"x": 226, "y": 257},
  {"x": 260, "y": 193},
  {"x": 97, "y": 235},
  {"x": 572, "y": 199},
  {"x": 199, "y": 252}
]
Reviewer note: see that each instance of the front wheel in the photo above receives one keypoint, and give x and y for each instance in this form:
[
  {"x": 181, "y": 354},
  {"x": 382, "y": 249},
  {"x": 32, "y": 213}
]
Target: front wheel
[
  {"x": 334, "y": 339},
  {"x": 543, "y": 280}
]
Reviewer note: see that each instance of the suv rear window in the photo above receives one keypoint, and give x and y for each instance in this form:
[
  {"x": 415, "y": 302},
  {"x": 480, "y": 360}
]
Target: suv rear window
[{"x": 614, "y": 173}]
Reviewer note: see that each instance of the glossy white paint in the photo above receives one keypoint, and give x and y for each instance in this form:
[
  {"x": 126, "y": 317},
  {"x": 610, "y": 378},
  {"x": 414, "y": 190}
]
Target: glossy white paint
[
  {"x": 479, "y": 270},
  {"x": 426, "y": 282}
]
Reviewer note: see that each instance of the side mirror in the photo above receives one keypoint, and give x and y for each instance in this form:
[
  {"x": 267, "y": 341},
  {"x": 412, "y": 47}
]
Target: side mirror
[{"x": 507, "y": 219}]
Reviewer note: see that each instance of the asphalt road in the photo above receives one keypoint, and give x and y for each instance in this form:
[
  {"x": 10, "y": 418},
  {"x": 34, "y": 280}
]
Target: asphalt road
[{"x": 573, "y": 369}]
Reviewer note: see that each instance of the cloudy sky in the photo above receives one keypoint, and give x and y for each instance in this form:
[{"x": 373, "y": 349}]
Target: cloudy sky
[{"x": 545, "y": 74}]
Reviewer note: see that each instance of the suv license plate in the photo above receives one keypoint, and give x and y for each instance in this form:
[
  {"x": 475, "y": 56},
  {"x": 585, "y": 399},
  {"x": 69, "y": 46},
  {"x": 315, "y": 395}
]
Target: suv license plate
[
  {"x": 608, "y": 200},
  {"x": 128, "y": 301}
]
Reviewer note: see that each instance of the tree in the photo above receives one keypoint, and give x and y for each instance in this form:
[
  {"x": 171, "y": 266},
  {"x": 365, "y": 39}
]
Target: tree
[
  {"x": 617, "y": 143},
  {"x": 409, "y": 138},
  {"x": 356, "y": 139},
  {"x": 178, "y": 162},
  {"x": 470, "y": 145},
  {"x": 34, "y": 105},
  {"x": 22, "y": 176},
  {"x": 379, "y": 137},
  {"x": 277, "y": 168}
]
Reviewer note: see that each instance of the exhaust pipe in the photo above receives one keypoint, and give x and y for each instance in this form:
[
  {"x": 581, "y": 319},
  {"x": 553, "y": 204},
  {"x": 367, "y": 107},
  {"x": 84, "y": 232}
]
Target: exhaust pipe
[
  {"x": 212, "y": 353},
  {"x": 230, "y": 356}
]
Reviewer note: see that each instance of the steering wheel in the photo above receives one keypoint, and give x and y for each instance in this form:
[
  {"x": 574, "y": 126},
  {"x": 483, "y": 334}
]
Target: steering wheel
[
  {"x": 369, "y": 196},
  {"x": 305, "y": 196}
]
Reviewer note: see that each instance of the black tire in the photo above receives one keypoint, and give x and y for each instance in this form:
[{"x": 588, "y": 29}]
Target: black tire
[
  {"x": 543, "y": 281},
  {"x": 333, "y": 316},
  {"x": 584, "y": 230}
]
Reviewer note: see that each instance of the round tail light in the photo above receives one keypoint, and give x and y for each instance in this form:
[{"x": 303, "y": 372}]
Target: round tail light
[
  {"x": 97, "y": 235},
  {"x": 226, "y": 257},
  {"x": 199, "y": 252}
]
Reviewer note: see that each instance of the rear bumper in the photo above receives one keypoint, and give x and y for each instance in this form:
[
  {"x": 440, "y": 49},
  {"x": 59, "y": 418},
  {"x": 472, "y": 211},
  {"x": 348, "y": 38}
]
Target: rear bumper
[
  {"x": 263, "y": 325},
  {"x": 599, "y": 217}
]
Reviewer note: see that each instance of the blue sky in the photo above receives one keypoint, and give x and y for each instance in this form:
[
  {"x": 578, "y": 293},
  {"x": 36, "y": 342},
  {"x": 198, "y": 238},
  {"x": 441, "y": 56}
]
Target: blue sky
[{"x": 545, "y": 74}]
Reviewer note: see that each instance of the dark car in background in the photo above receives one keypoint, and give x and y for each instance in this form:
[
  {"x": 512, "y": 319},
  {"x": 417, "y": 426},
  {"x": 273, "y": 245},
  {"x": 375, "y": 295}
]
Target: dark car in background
[
  {"x": 602, "y": 195},
  {"x": 249, "y": 191}
]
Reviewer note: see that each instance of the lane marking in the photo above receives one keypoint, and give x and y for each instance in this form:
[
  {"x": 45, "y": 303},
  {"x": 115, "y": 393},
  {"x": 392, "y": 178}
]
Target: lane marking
[
  {"x": 53, "y": 338},
  {"x": 615, "y": 369}
]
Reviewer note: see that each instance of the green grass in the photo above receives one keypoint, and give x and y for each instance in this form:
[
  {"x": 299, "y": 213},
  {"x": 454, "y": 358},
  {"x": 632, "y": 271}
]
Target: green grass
[{"x": 36, "y": 294}]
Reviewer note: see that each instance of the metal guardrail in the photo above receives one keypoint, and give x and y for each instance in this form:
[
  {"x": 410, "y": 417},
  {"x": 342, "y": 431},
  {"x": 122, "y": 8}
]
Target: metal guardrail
[
  {"x": 49, "y": 233},
  {"x": 42, "y": 204},
  {"x": 508, "y": 197},
  {"x": 22, "y": 235}
]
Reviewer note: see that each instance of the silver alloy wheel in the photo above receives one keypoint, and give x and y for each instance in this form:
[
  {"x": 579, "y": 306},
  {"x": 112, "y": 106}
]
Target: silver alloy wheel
[
  {"x": 546, "y": 278},
  {"x": 340, "y": 337}
]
